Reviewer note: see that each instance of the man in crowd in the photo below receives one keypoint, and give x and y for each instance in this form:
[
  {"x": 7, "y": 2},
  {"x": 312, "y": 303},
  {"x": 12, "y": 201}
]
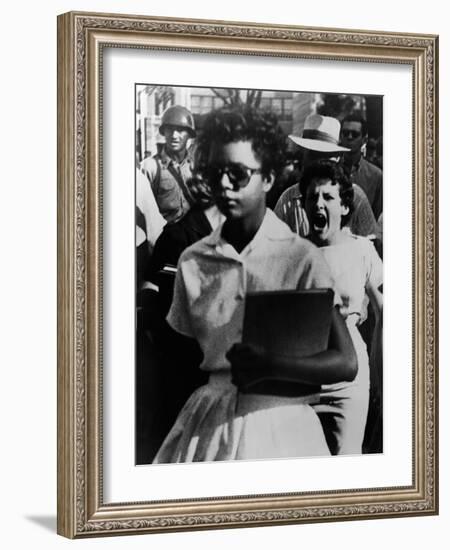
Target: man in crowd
[
  {"x": 365, "y": 174},
  {"x": 168, "y": 172},
  {"x": 320, "y": 140}
]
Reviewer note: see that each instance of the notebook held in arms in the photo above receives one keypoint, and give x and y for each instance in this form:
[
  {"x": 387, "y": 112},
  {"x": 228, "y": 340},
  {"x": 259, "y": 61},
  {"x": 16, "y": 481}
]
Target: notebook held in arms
[{"x": 291, "y": 323}]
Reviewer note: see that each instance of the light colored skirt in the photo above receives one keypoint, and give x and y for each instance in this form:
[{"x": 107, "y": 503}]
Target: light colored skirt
[
  {"x": 343, "y": 406},
  {"x": 219, "y": 423}
]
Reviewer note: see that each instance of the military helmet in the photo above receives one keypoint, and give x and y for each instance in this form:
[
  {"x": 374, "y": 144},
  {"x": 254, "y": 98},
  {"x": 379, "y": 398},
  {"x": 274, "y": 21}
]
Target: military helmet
[{"x": 178, "y": 116}]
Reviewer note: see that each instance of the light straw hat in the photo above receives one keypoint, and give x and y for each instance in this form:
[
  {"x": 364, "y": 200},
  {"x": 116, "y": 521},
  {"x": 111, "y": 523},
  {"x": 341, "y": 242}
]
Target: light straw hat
[{"x": 320, "y": 133}]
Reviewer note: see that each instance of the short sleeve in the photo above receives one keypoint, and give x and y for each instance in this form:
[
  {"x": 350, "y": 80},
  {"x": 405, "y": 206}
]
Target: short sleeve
[
  {"x": 179, "y": 317},
  {"x": 374, "y": 266}
]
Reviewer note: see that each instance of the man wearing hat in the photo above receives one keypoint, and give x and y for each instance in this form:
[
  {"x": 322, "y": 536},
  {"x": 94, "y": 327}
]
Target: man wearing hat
[
  {"x": 168, "y": 172},
  {"x": 320, "y": 140}
]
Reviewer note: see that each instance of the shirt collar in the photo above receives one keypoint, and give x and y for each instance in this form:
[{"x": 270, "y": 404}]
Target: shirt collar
[
  {"x": 271, "y": 228},
  {"x": 167, "y": 161}
]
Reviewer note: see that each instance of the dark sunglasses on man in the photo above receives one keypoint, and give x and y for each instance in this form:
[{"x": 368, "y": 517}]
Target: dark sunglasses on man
[{"x": 351, "y": 134}]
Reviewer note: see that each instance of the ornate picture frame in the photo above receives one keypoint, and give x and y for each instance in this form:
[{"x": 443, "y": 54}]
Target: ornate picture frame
[{"x": 82, "y": 41}]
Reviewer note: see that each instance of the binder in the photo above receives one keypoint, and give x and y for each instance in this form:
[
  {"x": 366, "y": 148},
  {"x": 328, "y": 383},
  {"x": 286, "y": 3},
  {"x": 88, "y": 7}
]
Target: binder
[{"x": 289, "y": 322}]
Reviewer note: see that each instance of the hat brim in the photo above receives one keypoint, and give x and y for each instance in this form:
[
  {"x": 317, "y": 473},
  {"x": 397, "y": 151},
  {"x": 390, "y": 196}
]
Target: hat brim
[{"x": 318, "y": 145}]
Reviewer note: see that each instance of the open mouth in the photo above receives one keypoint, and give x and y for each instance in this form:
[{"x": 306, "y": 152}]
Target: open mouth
[{"x": 319, "y": 221}]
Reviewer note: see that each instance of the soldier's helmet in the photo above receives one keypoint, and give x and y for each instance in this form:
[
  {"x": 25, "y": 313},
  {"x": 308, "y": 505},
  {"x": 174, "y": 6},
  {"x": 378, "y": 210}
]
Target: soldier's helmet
[{"x": 178, "y": 116}]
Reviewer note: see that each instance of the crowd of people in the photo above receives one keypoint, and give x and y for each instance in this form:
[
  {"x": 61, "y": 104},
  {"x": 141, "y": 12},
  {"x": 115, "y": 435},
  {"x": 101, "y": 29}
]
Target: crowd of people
[{"x": 206, "y": 238}]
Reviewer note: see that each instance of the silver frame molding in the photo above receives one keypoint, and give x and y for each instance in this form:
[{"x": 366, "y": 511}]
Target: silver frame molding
[{"x": 81, "y": 37}]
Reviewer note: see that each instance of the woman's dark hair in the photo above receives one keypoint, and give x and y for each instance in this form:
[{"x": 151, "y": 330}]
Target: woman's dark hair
[
  {"x": 244, "y": 123},
  {"x": 200, "y": 191},
  {"x": 329, "y": 170}
]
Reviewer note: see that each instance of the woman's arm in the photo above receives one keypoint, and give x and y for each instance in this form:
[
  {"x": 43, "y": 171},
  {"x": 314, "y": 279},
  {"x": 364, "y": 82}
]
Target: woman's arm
[
  {"x": 336, "y": 364},
  {"x": 376, "y": 299}
]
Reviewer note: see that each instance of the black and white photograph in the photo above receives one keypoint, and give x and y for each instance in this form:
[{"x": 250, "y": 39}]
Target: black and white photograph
[
  {"x": 247, "y": 275},
  {"x": 259, "y": 274}
]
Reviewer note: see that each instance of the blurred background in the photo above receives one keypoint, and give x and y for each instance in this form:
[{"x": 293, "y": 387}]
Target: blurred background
[{"x": 292, "y": 108}]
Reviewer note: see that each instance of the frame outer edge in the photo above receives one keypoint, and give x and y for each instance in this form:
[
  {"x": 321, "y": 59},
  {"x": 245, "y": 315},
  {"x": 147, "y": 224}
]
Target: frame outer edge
[
  {"x": 77, "y": 250},
  {"x": 435, "y": 244},
  {"x": 436, "y": 247},
  {"x": 427, "y": 245},
  {"x": 65, "y": 288},
  {"x": 426, "y": 274},
  {"x": 427, "y": 280}
]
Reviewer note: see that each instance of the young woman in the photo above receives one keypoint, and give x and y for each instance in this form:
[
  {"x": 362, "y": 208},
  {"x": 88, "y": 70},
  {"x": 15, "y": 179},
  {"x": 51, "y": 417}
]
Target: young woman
[
  {"x": 252, "y": 250},
  {"x": 358, "y": 272}
]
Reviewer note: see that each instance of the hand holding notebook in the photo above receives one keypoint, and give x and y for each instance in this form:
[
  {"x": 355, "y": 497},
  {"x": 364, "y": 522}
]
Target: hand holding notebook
[{"x": 280, "y": 324}]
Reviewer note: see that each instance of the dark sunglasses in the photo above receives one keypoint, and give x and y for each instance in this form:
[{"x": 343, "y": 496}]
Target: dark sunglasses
[
  {"x": 351, "y": 133},
  {"x": 238, "y": 174}
]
